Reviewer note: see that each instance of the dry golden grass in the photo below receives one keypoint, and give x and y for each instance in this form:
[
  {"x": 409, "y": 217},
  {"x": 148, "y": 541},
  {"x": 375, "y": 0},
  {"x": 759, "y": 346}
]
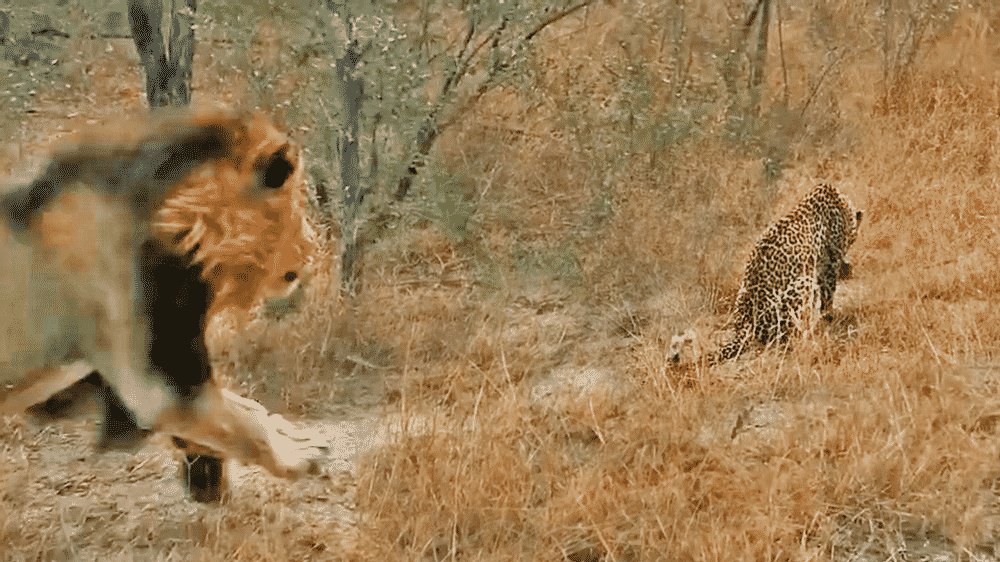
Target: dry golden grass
[
  {"x": 588, "y": 245},
  {"x": 874, "y": 438}
]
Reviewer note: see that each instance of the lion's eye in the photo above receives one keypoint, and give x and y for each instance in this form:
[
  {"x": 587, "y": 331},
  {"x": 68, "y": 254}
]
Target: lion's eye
[{"x": 275, "y": 169}]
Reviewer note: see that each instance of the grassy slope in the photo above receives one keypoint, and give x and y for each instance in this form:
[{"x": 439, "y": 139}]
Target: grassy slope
[{"x": 874, "y": 437}]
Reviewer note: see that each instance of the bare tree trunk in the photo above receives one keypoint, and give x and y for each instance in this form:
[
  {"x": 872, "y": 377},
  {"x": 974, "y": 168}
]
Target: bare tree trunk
[
  {"x": 351, "y": 91},
  {"x": 425, "y": 140},
  {"x": 730, "y": 64},
  {"x": 167, "y": 65},
  {"x": 181, "y": 52},
  {"x": 759, "y": 66},
  {"x": 144, "y": 18}
]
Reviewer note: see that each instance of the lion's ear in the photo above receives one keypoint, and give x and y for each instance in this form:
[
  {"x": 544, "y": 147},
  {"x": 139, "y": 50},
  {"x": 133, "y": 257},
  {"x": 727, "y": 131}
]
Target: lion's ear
[{"x": 274, "y": 169}]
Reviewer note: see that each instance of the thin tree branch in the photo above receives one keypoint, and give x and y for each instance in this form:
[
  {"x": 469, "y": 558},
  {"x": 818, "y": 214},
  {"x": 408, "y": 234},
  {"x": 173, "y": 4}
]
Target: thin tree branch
[
  {"x": 460, "y": 65},
  {"x": 431, "y": 129},
  {"x": 493, "y": 36},
  {"x": 781, "y": 49},
  {"x": 815, "y": 88},
  {"x": 729, "y": 63},
  {"x": 556, "y": 17}
]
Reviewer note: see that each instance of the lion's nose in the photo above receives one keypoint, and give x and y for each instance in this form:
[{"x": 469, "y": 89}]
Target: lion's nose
[{"x": 291, "y": 276}]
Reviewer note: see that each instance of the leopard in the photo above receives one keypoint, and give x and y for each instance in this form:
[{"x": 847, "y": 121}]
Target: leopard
[{"x": 792, "y": 273}]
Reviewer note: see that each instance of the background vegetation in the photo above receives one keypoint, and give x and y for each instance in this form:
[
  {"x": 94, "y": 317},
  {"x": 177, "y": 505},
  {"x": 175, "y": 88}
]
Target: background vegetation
[{"x": 598, "y": 197}]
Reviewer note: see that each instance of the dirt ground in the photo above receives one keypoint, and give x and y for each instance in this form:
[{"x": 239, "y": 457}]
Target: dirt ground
[{"x": 62, "y": 500}]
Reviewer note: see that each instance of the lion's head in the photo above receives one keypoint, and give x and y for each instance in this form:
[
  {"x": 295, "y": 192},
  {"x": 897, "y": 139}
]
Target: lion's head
[{"x": 242, "y": 216}]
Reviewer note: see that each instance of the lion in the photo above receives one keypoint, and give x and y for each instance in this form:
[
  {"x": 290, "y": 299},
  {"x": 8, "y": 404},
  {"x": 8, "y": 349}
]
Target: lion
[{"x": 117, "y": 255}]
